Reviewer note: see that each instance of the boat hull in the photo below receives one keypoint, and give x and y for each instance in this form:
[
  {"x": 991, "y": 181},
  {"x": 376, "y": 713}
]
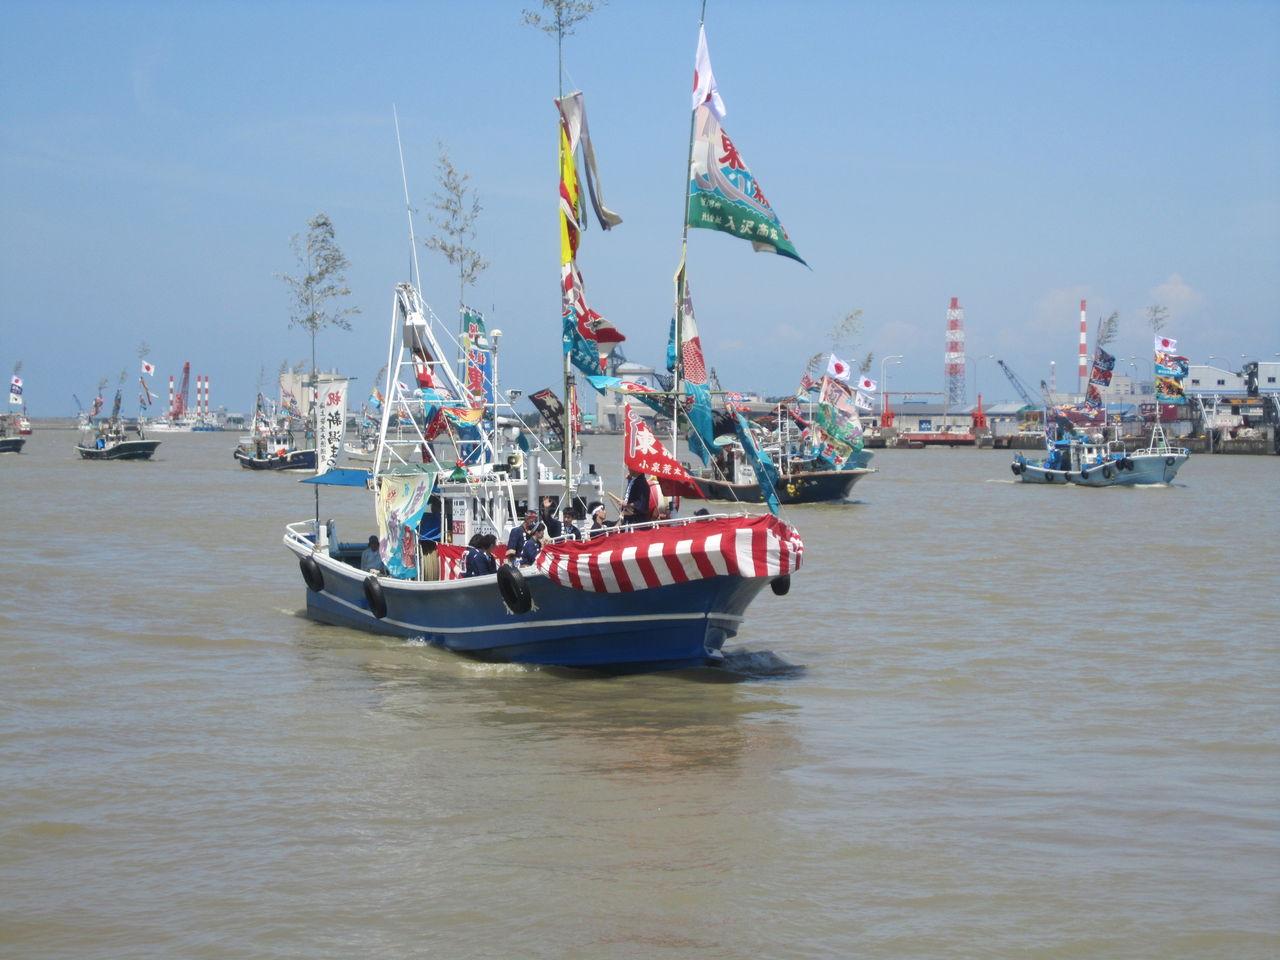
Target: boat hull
[
  {"x": 11, "y": 444},
  {"x": 826, "y": 486},
  {"x": 289, "y": 460},
  {"x": 124, "y": 450},
  {"x": 672, "y": 626},
  {"x": 1141, "y": 468}
]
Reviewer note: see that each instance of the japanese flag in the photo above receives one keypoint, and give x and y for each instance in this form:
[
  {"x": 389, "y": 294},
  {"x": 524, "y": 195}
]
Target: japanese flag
[
  {"x": 1166, "y": 344},
  {"x": 837, "y": 369},
  {"x": 867, "y": 385},
  {"x": 148, "y": 368}
]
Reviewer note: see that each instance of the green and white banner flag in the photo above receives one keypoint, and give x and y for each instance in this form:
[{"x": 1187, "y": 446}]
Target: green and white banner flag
[{"x": 724, "y": 194}]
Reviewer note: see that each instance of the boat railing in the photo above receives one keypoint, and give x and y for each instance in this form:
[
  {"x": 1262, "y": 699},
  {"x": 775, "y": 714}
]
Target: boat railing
[{"x": 650, "y": 525}]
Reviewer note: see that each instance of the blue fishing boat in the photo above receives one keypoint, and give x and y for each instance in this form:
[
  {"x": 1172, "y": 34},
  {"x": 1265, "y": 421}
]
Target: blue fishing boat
[
  {"x": 1079, "y": 458},
  {"x": 652, "y": 592},
  {"x": 1082, "y": 462},
  {"x": 656, "y": 595}
]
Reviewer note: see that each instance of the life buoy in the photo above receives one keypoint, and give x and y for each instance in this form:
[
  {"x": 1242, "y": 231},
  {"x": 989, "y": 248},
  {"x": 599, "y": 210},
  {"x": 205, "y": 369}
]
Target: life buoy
[
  {"x": 374, "y": 597},
  {"x": 511, "y": 585},
  {"x": 781, "y": 586},
  {"x": 1107, "y": 472},
  {"x": 312, "y": 574}
]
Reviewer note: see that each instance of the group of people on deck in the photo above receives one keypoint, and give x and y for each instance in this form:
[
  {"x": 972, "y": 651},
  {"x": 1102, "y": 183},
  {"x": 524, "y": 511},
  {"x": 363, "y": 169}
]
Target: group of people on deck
[{"x": 640, "y": 505}]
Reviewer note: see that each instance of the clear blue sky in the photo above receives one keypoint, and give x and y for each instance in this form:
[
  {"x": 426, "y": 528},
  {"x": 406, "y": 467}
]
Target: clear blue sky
[{"x": 157, "y": 157}]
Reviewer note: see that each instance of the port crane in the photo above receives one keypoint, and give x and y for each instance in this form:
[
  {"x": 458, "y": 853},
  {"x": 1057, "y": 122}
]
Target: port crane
[{"x": 1024, "y": 391}]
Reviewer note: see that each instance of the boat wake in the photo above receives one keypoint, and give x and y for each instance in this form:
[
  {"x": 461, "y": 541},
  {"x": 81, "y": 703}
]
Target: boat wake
[{"x": 759, "y": 665}]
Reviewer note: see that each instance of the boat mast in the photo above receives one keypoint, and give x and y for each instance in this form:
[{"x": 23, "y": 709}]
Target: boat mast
[
  {"x": 566, "y": 411},
  {"x": 681, "y": 278},
  {"x": 408, "y": 207}
]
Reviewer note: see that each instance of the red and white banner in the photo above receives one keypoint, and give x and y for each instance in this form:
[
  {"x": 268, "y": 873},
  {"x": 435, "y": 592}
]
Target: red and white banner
[
  {"x": 654, "y": 557},
  {"x": 644, "y": 452},
  {"x": 451, "y": 555}
]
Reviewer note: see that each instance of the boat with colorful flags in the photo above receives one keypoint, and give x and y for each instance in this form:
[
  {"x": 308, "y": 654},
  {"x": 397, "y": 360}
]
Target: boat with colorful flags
[
  {"x": 647, "y": 593},
  {"x": 813, "y": 441},
  {"x": 272, "y": 443},
  {"x": 1077, "y": 451},
  {"x": 14, "y": 426},
  {"x": 109, "y": 439}
]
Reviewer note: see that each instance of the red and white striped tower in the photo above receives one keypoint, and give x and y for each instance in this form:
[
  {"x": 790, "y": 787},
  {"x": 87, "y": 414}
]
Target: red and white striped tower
[
  {"x": 171, "y": 395},
  {"x": 953, "y": 366},
  {"x": 1084, "y": 358},
  {"x": 206, "y": 396}
]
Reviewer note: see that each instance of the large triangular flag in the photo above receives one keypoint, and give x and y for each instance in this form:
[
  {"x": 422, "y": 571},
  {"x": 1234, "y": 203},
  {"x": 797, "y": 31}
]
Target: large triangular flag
[{"x": 724, "y": 195}]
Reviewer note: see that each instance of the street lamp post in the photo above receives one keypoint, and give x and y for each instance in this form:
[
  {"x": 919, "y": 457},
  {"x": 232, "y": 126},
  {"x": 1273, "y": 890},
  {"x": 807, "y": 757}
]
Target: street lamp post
[
  {"x": 975, "y": 361},
  {"x": 884, "y": 383}
]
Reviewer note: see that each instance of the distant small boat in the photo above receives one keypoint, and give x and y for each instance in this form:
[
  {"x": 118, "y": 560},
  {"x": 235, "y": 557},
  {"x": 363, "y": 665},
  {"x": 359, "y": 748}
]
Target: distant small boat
[
  {"x": 108, "y": 439},
  {"x": 276, "y": 452},
  {"x": 799, "y": 481},
  {"x": 10, "y": 442},
  {"x": 111, "y": 443},
  {"x": 808, "y": 471},
  {"x": 271, "y": 445},
  {"x": 1085, "y": 463}
]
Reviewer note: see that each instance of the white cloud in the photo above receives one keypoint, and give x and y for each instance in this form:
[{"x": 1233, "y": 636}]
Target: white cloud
[{"x": 1177, "y": 295}]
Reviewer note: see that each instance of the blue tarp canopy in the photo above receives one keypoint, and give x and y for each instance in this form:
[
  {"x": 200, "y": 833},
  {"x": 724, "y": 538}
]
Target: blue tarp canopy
[{"x": 340, "y": 477}]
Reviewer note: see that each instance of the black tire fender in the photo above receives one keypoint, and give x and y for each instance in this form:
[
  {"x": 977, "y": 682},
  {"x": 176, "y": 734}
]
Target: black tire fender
[
  {"x": 1126, "y": 463},
  {"x": 781, "y": 586},
  {"x": 1016, "y": 468},
  {"x": 374, "y": 596},
  {"x": 1168, "y": 461},
  {"x": 1107, "y": 472},
  {"x": 311, "y": 573},
  {"x": 1084, "y": 474},
  {"x": 514, "y": 591}
]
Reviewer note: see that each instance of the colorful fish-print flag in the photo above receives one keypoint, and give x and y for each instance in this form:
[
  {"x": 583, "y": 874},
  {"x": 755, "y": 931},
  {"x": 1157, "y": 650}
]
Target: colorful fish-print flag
[{"x": 724, "y": 194}]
